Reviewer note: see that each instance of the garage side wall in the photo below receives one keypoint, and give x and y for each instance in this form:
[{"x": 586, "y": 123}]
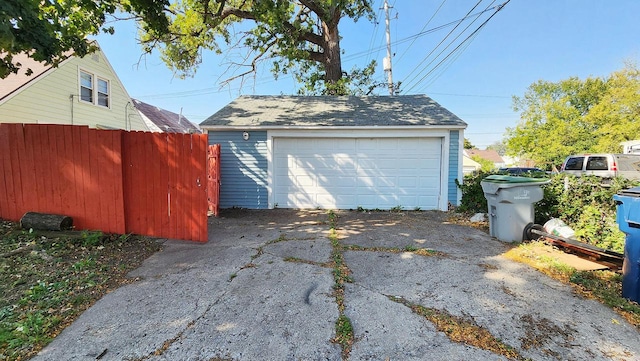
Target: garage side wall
[
  {"x": 454, "y": 159},
  {"x": 243, "y": 169}
]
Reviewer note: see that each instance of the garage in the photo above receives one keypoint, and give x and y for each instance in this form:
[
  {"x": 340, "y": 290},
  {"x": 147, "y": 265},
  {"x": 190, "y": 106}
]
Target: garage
[
  {"x": 347, "y": 173},
  {"x": 337, "y": 152}
]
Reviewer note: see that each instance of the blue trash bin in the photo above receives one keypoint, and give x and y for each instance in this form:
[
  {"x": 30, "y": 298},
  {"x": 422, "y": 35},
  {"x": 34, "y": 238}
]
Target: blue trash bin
[{"x": 628, "y": 218}]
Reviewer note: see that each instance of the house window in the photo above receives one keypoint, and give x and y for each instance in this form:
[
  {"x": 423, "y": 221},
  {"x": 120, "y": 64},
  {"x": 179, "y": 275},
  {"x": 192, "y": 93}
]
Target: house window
[
  {"x": 94, "y": 90},
  {"x": 103, "y": 92},
  {"x": 86, "y": 87}
]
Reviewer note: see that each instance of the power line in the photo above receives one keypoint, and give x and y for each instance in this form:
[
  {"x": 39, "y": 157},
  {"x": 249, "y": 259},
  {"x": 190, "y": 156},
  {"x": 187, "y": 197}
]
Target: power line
[
  {"x": 423, "y": 29},
  {"x": 437, "y": 46},
  {"x": 471, "y": 36}
]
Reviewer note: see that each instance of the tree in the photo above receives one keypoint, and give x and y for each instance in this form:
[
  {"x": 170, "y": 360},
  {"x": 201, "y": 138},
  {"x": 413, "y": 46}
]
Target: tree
[
  {"x": 576, "y": 116},
  {"x": 51, "y": 30},
  {"x": 298, "y": 36},
  {"x": 467, "y": 144},
  {"x": 616, "y": 115},
  {"x": 499, "y": 147}
]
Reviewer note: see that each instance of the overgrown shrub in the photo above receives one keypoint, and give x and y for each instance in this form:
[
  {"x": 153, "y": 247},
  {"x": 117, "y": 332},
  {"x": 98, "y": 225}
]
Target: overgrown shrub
[
  {"x": 473, "y": 200},
  {"x": 583, "y": 203}
]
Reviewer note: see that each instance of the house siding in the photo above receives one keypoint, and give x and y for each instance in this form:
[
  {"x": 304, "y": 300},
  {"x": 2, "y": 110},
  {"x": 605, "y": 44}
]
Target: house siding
[
  {"x": 48, "y": 99},
  {"x": 454, "y": 159},
  {"x": 243, "y": 169}
]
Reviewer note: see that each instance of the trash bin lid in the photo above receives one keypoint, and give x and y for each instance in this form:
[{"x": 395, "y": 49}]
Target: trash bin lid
[
  {"x": 631, "y": 192},
  {"x": 499, "y": 178},
  {"x": 493, "y": 183}
]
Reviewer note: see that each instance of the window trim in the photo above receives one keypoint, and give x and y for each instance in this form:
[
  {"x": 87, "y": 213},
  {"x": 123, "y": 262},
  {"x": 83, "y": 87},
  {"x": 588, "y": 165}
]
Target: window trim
[
  {"x": 95, "y": 93},
  {"x": 98, "y": 92}
]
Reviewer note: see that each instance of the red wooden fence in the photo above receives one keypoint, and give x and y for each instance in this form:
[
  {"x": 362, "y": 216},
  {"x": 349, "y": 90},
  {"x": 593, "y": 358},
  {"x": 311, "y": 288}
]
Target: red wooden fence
[{"x": 110, "y": 180}]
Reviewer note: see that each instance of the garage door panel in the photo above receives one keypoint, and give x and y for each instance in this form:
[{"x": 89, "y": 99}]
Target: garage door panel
[
  {"x": 407, "y": 182},
  {"x": 350, "y": 172}
]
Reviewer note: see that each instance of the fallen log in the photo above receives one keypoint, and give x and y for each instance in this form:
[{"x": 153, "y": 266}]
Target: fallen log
[{"x": 46, "y": 222}]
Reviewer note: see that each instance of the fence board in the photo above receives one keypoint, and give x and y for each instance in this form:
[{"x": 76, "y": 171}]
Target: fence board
[
  {"x": 199, "y": 193},
  {"x": 32, "y": 181},
  {"x": 5, "y": 171},
  {"x": 17, "y": 160},
  {"x": 163, "y": 157},
  {"x": 43, "y": 168},
  {"x": 9, "y": 205},
  {"x": 79, "y": 162}
]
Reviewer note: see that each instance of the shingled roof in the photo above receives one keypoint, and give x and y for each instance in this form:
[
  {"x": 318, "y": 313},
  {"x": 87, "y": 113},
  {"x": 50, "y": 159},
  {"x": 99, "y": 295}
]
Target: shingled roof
[
  {"x": 267, "y": 110},
  {"x": 162, "y": 120},
  {"x": 15, "y": 82}
]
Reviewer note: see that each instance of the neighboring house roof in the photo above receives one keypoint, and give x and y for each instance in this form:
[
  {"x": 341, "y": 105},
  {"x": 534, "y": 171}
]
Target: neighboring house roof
[
  {"x": 161, "y": 120},
  {"x": 15, "y": 82},
  {"x": 267, "y": 110},
  {"x": 488, "y": 154}
]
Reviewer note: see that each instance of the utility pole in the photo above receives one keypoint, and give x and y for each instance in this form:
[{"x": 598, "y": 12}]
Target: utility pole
[{"x": 386, "y": 63}]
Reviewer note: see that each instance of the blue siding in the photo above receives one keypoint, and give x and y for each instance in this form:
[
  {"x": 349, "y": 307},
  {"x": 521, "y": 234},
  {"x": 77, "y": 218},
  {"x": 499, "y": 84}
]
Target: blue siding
[
  {"x": 243, "y": 168},
  {"x": 454, "y": 153}
]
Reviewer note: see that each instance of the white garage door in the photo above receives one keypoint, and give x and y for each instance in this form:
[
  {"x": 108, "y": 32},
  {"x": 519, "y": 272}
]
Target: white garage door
[{"x": 346, "y": 173}]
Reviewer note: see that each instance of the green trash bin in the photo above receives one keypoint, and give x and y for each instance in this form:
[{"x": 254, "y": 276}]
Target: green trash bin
[{"x": 510, "y": 204}]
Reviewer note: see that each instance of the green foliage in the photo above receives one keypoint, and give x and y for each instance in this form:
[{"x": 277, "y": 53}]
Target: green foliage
[
  {"x": 294, "y": 37},
  {"x": 586, "y": 205},
  {"x": 473, "y": 199},
  {"x": 576, "y": 116},
  {"x": 50, "y": 30},
  {"x": 485, "y": 164},
  {"x": 467, "y": 144}
]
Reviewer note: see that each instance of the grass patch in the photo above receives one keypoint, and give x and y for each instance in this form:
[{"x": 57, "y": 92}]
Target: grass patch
[
  {"x": 344, "y": 333},
  {"x": 603, "y": 286},
  {"x": 461, "y": 330},
  {"x": 47, "y": 279}
]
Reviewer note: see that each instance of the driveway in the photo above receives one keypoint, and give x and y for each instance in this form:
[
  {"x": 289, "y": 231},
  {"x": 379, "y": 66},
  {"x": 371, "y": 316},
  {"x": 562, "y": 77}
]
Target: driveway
[{"x": 264, "y": 288}]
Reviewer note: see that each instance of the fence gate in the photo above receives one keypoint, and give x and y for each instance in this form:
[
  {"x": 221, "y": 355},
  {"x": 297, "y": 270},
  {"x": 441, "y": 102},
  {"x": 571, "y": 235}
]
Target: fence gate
[{"x": 213, "y": 178}]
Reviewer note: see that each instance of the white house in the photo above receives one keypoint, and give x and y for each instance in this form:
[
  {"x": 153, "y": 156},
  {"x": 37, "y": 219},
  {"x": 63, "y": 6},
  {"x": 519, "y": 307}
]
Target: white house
[{"x": 80, "y": 91}]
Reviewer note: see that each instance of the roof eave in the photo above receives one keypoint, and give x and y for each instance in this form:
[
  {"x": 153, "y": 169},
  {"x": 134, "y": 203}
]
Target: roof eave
[{"x": 328, "y": 127}]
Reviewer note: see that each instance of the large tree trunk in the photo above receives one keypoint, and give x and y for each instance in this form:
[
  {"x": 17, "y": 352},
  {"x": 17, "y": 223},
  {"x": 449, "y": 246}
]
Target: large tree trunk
[{"x": 332, "y": 61}]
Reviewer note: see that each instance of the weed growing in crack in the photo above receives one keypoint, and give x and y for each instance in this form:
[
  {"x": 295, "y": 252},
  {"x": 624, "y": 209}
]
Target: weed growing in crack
[
  {"x": 410, "y": 248},
  {"x": 461, "y": 330},
  {"x": 341, "y": 275},
  {"x": 344, "y": 334}
]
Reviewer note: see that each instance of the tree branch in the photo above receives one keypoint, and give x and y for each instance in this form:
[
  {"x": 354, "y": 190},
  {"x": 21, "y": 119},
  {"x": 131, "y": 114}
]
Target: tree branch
[{"x": 315, "y": 7}]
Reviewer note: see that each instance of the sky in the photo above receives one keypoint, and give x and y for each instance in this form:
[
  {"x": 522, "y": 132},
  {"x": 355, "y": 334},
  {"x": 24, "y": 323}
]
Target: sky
[{"x": 526, "y": 41}]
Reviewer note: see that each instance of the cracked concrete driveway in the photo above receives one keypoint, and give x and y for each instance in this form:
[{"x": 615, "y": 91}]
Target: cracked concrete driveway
[{"x": 271, "y": 285}]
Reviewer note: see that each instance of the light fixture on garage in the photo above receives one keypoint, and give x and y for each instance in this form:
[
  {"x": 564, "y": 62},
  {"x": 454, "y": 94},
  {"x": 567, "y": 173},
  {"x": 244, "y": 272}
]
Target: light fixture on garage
[{"x": 245, "y": 135}]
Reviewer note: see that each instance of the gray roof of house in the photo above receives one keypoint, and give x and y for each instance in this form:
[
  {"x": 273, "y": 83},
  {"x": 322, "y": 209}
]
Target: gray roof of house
[
  {"x": 267, "y": 110},
  {"x": 167, "y": 121}
]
